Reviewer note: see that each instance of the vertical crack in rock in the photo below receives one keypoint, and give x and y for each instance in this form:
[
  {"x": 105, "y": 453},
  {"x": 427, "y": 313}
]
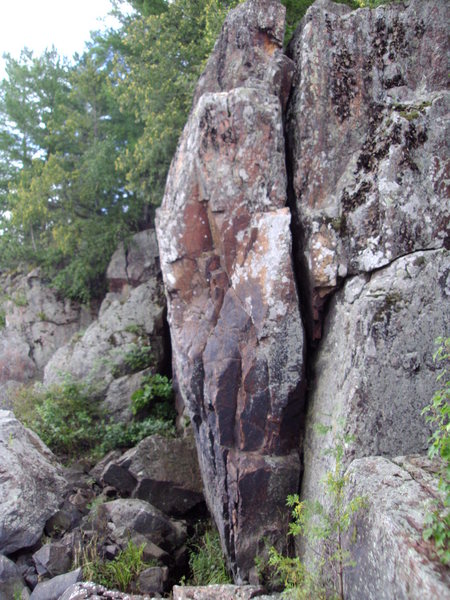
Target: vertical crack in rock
[{"x": 225, "y": 244}]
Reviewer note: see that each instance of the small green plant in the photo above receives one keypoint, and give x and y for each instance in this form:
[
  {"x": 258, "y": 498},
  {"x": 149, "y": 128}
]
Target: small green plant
[
  {"x": 155, "y": 394},
  {"x": 127, "y": 435},
  {"x": 20, "y": 299},
  {"x": 120, "y": 573},
  {"x": 2, "y": 319},
  {"x": 135, "y": 329},
  {"x": 42, "y": 316},
  {"x": 437, "y": 413},
  {"x": 63, "y": 416},
  {"x": 323, "y": 529},
  {"x": 206, "y": 561}
]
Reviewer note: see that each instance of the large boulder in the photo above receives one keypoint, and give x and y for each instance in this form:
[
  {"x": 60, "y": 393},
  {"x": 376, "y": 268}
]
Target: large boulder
[
  {"x": 225, "y": 243},
  {"x": 367, "y": 128},
  {"x": 392, "y": 559},
  {"x": 136, "y": 520},
  {"x": 11, "y": 581},
  {"x": 31, "y": 485},
  {"x": 162, "y": 471}
]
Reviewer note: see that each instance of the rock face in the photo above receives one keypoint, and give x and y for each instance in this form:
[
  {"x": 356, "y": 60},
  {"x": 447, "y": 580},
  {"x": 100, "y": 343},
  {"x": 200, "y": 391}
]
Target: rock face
[
  {"x": 225, "y": 243},
  {"x": 31, "y": 485},
  {"x": 390, "y": 529},
  {"x": 37, "y": 323},
  {"x": 135, "y": 263},
  {"x": 128, "y": 321},
  {"x": 367, "y": 127},
  {"x": 381, "y": 332}
]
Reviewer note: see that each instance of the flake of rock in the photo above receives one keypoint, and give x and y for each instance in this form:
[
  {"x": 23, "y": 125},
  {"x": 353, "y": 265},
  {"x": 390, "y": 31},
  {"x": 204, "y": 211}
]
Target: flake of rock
[{"x": 225, "y": 244}]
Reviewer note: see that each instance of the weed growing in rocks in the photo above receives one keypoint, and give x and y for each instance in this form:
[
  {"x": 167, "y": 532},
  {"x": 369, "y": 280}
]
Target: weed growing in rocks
[
  {"x": 323, "y": 529},
  {"x": 206, "y": 561},
  {"x": 67, "y": 418},
  {"x": 438, "y": 414},
  {"x": 118, "y": 574}
]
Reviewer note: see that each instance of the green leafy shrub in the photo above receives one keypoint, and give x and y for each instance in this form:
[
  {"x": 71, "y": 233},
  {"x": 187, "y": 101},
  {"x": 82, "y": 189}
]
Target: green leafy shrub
[
  {"x": 127, "y": 435},
  {"x": 323, "y": 529},
  {"x": 438, "y": 414},
  {"x": 2, "y": 319},
  {"x": 63, "y": 416},
  {"x": 155, "y": 395},
  {"x": 206, "y": 561}
]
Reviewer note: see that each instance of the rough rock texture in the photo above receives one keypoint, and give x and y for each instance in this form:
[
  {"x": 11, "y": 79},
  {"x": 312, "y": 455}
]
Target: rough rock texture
[
  {"x": 135, "y": 263},
  {"x": 86, "y": 590},
  {"x": 375, "y": 370},
  {"x": 125, "y": 519},
  {"x": 11, "y": 582},
  {"x": 367, "y": 131},
  {"x": 217, "y": 592},
  {"x": 31, "y": 485},
  {"x": 160, "y": 470},
  {"x": 37, "y": 323},
  {"x": 54, "y": 588},
  {"x": 225, "y": 244},
  {"x": 368, "y": 135},
  {"x": 392, "y": 560},
  {"x": 123, "y": 325}
]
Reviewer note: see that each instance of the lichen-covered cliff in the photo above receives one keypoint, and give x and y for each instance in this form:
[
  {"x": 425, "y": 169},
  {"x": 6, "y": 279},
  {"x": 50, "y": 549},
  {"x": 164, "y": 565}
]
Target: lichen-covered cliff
[{"x": 357, "y": 151}]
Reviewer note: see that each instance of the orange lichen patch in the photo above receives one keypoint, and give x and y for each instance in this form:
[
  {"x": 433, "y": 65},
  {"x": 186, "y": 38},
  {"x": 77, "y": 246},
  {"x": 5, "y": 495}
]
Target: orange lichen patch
[
  {"x": 267, "y": 43},
  {"x": 322, "y": 260}
]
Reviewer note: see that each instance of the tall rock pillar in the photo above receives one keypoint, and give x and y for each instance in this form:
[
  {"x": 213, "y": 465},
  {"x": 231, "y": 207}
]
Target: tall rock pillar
[{"x": 225, "y": 243}]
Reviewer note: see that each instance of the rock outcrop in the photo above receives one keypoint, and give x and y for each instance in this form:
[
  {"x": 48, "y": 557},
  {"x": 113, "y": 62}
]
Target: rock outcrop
[
  {"x": 392, "y": 559},
  {"x": 160, "y": 470},
  {"x": 32, "y": 485},
  {"x": 367, "y": 127},
  {"x": 225, "y": 243},
  {"x": 36, "y": 323},
  {"x": 130, "y": 320}
]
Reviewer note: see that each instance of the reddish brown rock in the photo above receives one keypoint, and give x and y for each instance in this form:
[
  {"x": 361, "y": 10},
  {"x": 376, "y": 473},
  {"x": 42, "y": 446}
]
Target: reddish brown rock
[{"x": 225, "y": 246}]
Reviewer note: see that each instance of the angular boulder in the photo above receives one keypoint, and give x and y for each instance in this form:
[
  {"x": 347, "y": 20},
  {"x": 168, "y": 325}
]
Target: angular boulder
[
  {"x": 367, "y": 129},
  {"x": 159, "y": 470},
  {"x": 217, "y": 592},
  {"x": 225, "y": 243},
  {"x": 125, "y": 519},
  {"x": 392, "y": 559},
  {"x": 54, "y": 588},
  {"x": 31, "y": 487}
]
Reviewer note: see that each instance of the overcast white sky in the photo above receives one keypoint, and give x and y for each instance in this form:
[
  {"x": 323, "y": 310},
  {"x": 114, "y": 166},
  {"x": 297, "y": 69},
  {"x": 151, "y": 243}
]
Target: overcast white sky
[{"x": 38, "y": 24}]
